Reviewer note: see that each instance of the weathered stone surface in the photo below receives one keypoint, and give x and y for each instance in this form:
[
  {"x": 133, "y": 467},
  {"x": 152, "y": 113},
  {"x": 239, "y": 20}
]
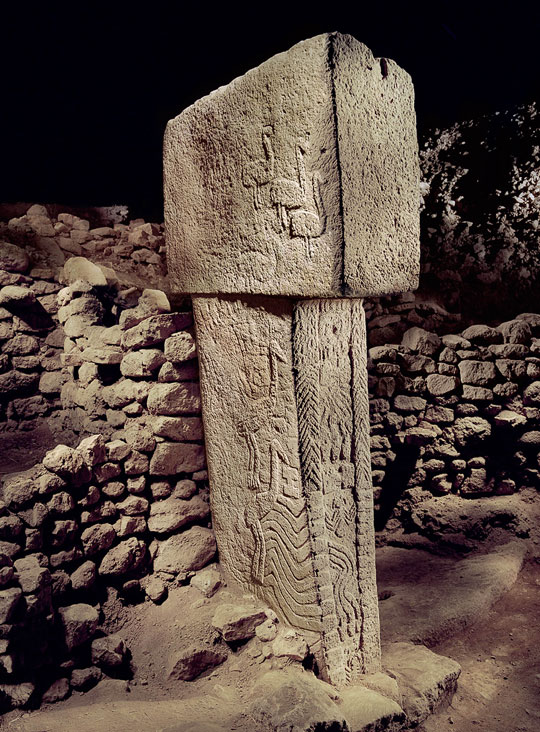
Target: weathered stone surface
[
  {"x": 253, "y": 442},
  {"x": 13, "y": 258},
  {"x": 9, "y": 599},
  {"x": 508, "y": 418},
  {"x": 151, "y": 302},
  {"x": 123, "y": 558},
  {"x": 280, "y": 204},
  {"x": 418, "y": 339},
  {"x": 80, "y": 268},
  {"x": 154, "y": 330},
  {"x": 471, "y": 430},
  {"x": 19, "y": 489},
  {"x": 126, "y": 391},
  {"x": 193, "y": 660},
  {"x": 426, "y": 680},
  {"x": 67, "y": 463},
  {"x": 57, "y": 691},
  {"x": 170, "y": 458},
  {"x": 155, "y": 589},
  {"x": 104, "y": 355},
  {"x": 482, "y": 334},
  {"x": 479, "y": 373},
  {"x": 83, "y": 679},
  {"x": 21, "y": 345},
  {"x": 136, "y": 463},
  {"x": 142, "y": 363},
  {"x": 531, "y": 395},
  {"x": 207, "y": 581},
  {"x": 16, "y": 296},
  {"x": 172, "y": 399},
  {"x": 179, "y": 429},
  {"x": 16, "y": 382},
  {"x": 185, "y": 552},
  {"x": 133, "y": 506},
  {"x": 17, "y": 695},
  {"x": 188, "y": 371},
  {"x": 80, "y": 622},
  {"x": 515, "y": 331},
  {"x": 294, "y": 701},
  {"x": 51, "y": 382},
  {"x": 172, "y": 513},
  {"x": 438, "y": 384},
  {"x": 289, "y": 643},
  {"x": 237, "y": 622},
  {"x": 97, "y": 538},
  {"x": 180, "y": 347},
  {"x": 108, "y": 652},
  {"x": 477, "y": 393},
  {"x": 367, "y": 710},
  {"x": 117, "y": 450},
  {"x": 84, "y": 577},
  {"x": 33, "y": 578},
  {"x": 405, "y": 403}
]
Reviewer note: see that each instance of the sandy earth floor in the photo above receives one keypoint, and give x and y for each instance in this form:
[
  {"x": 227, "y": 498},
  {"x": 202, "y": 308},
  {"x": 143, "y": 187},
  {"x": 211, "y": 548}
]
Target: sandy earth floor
[{"x": 499, "y": 687}]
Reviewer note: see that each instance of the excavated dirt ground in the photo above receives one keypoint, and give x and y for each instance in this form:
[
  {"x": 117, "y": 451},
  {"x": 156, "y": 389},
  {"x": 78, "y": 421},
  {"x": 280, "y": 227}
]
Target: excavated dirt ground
[
  {"x": 499, "y": 686},
  {"x": 499, "y": 689}
]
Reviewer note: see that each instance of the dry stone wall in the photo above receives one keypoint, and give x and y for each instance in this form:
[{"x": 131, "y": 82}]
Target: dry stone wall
[
  {"x": 123, "y": 511},
  {"x": 30, "y": 342},
  {"x": 455, "y": 416}
]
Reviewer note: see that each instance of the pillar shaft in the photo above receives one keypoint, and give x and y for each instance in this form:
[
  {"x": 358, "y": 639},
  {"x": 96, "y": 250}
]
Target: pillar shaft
[{"x": 285, "y": 410}]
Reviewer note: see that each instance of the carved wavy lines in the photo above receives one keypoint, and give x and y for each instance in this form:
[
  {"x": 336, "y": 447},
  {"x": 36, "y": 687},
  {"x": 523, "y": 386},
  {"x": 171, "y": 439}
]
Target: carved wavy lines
[
  {"x": 365, "y": 533},
  {"x": 288, "y": 568}
]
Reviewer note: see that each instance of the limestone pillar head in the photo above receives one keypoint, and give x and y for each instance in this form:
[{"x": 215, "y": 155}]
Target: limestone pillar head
[{"x": 298, "y": 179}]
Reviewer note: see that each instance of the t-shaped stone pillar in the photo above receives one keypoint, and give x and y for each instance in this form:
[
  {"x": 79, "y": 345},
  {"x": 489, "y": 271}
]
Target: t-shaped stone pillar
[{"x": 290, "y": 194}]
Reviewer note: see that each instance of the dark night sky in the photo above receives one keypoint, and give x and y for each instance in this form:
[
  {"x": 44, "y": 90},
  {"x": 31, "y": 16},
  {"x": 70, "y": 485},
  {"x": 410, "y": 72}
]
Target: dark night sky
[{"x": 87, "y": 88}]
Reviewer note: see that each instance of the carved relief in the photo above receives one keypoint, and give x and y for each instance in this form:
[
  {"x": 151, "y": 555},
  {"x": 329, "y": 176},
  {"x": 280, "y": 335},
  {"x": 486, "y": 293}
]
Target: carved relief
[
  {"x": 326, "y": 365},
  {"x": 298, "y": 204},
  {"x": 286, "y": 423},
  {"x": 257, "y": 173},
  {"x": 251, "y": 440}
]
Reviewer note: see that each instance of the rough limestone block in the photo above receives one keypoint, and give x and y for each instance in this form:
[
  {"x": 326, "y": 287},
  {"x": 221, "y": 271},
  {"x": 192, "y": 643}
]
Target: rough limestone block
[{"x": 299, "y": 178}]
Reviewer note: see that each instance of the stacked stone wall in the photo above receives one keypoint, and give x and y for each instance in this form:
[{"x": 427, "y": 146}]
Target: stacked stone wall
[
  {"x": 457, "y": 415},
  {"x": 121, "y": 513}
]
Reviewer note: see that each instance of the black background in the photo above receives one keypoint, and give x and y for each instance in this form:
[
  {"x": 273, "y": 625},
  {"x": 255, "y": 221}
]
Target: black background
[{"x": 87, "y": 87}]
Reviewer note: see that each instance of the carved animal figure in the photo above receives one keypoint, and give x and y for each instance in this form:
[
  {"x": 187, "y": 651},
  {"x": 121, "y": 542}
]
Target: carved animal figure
[
  {"x": 288, "y": 194},
  {"x": 257, "y": 173},
  {"x": 307, "y": 223},
  {"x": 258, "y": 413}
]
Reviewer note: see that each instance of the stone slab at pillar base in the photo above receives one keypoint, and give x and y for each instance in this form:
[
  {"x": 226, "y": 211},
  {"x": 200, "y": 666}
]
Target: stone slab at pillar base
[{"x": 285, "y": 410}]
